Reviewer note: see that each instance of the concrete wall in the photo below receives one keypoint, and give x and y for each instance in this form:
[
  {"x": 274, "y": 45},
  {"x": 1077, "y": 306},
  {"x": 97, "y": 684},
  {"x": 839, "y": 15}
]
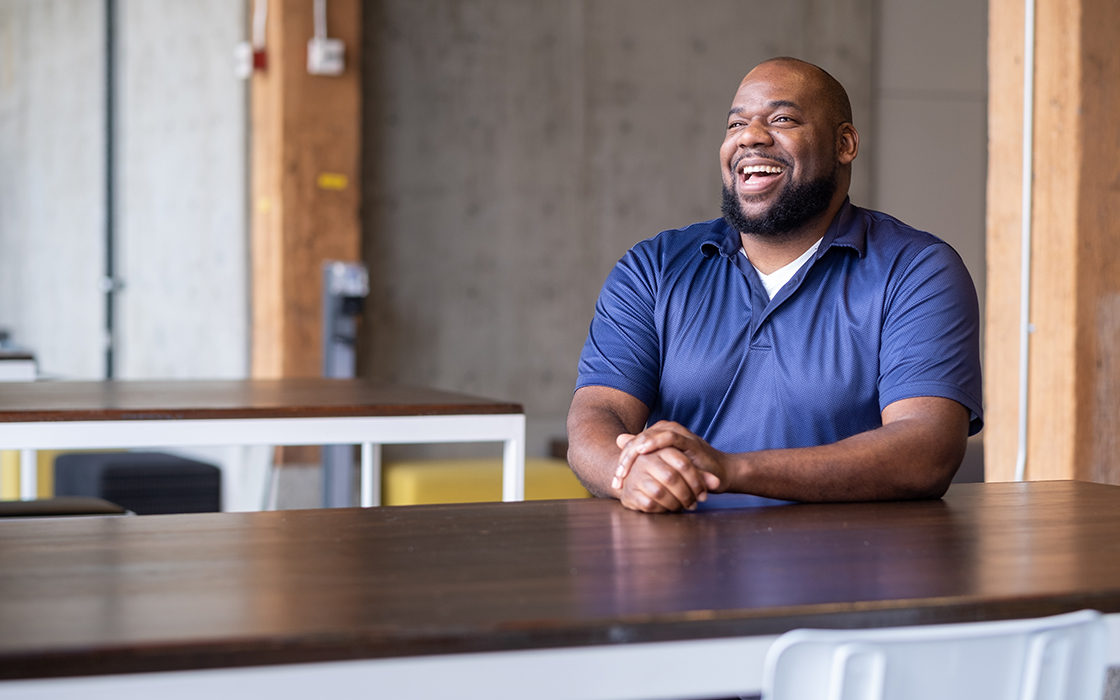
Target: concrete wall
[
  {"x": 514, "y": 151},
  {"x": 931, "y": 118},
  {"x": 52, "y": 209},
  {"x": 182, "y": 185}
]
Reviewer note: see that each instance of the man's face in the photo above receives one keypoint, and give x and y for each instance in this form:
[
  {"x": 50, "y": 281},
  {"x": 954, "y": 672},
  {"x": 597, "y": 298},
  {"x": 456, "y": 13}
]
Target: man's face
[{"x": 781, "y": 156}]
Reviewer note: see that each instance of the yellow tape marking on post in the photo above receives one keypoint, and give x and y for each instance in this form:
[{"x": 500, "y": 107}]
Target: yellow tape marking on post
[{"x": 332, "y": 181}]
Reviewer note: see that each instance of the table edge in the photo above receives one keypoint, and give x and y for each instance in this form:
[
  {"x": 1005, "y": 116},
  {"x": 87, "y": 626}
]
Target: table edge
[
  {"x": 378, "y": 644},
  {"x": 290, "y": 412}
]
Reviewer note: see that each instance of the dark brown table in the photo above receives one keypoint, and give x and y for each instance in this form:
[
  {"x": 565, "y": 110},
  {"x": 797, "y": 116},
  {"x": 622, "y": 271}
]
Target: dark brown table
[
  {"x": 314, "y": 411},
  {"x": 545, "y": 599}
]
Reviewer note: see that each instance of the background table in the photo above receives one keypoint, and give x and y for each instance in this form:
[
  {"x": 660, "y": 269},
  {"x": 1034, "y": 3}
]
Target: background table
[
  {"x": 574, "y": 599},
  {"x": 139, "y": 414}
]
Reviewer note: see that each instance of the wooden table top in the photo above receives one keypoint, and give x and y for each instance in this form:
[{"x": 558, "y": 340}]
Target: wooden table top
[
  {"x": 225, "y": 399},
  {"x": 146, "y": 593}
]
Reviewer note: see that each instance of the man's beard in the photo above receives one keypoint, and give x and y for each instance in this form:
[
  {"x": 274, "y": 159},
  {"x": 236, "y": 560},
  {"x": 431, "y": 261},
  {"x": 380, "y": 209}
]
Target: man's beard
[{"x": 797, "y": 204}]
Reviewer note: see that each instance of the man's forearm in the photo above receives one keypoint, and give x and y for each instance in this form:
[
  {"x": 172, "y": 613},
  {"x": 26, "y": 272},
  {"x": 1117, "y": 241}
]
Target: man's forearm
[
  {"x": 597, "y": 417},
  {"x": 888, "y": 463},
  {"x": 592, "y": 452}
]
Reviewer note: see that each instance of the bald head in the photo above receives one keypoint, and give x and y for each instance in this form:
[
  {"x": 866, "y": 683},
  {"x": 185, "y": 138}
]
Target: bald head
[{"x": 832, "y": 94}]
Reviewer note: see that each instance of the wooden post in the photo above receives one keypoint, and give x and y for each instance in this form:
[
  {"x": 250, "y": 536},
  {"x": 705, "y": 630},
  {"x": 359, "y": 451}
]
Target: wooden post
[
  {"x": 305, "y": 190},
  {"x": 1074, "y": 369}
]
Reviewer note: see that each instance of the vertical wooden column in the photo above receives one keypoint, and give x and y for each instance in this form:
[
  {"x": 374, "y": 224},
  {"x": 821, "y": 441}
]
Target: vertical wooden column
[
  {"x": 305, "y": 189},
  {"x": 1074, "y": 369}
]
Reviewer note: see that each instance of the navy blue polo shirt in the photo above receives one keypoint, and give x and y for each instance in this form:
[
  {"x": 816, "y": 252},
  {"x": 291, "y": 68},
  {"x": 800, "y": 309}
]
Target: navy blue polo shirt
[{"x": 881, "y": 312}]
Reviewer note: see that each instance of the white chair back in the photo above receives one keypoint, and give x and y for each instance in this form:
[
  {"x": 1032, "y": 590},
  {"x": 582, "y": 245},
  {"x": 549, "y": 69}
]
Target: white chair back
[{"x": 1051, "y": 658}]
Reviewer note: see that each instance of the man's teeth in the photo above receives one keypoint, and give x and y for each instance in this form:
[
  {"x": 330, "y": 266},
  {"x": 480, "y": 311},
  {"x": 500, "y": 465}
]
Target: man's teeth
[{"x": 766, "y": 169}]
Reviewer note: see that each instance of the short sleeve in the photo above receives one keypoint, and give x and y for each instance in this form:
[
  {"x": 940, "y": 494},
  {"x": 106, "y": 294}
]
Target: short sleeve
[
  {"x": 622, "y": 349},
  {"x": 931, "y": 334}
]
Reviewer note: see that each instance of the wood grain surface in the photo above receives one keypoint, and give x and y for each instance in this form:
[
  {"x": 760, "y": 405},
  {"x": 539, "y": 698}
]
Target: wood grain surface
[
  {"x": 1003, "y": 249},
  {"x": 1074, "y": 361},
  {"x": 259, "y": 398},
  {"x": 302, "y": 127},
  {"x": 146, "y": 593}
]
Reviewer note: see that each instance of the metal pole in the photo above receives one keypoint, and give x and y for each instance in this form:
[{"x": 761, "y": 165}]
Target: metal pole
[
  {"x": 109, "y": 283},
  {"x": 1025, "y": 239}
]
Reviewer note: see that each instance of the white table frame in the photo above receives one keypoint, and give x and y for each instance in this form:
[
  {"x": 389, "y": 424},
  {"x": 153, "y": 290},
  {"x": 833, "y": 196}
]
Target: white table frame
[
  {"x": 368, "y": 431},
  {"x": 703, "y": 668}
]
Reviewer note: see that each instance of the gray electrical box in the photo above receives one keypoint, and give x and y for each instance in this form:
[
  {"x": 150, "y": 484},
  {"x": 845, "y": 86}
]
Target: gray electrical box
[{"x": 345, "y": 288}]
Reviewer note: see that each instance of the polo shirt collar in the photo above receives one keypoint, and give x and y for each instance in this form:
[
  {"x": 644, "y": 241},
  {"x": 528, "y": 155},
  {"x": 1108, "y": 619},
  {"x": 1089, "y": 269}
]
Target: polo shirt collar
[
  {"x": 845, "y": 230},
  {"x": 721, "y": 239}
]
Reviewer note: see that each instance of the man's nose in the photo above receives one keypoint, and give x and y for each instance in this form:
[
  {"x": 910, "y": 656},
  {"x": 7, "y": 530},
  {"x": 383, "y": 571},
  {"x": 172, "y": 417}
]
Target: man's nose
[{"x": 755, "y": 133}]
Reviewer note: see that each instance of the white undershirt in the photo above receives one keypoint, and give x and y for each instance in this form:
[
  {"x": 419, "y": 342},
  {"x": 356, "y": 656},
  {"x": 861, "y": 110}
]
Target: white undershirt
[{"x": 777, "y": 279}]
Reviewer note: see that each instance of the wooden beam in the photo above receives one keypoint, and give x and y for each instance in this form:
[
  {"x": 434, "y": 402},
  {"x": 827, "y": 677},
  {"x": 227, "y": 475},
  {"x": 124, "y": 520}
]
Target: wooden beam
[
  {"x": 1074, "y": 397},
  {"x": 305, "y": 167}
]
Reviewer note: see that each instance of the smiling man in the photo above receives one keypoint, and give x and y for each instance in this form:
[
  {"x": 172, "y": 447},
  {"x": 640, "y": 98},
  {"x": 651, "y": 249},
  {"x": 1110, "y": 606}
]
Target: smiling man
[{"x": 799, "y": 348}]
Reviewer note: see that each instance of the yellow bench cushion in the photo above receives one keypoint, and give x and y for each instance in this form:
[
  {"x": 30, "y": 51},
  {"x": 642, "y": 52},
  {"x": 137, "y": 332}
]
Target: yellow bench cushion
[
  {"x": 9, "y": 472},
  {"x": 473, "y": 480}
]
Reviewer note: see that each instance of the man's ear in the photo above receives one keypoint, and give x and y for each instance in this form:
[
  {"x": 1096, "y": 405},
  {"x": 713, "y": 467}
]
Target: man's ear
[{"x": 847, "y": 143}]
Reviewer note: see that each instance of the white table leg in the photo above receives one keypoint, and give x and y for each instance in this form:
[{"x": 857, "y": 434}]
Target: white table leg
[
  {"x": 513, "y": 467},
  {"x": 28, "y": 475},
  {"x": 371, "y": 474},
  {"x": 232, "y": 473}
]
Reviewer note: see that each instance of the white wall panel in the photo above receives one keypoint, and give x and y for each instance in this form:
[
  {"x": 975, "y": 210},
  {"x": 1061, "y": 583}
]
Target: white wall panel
[
  {"x": 183, "y": 243},
  {"x": 52, "y": 212}
]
